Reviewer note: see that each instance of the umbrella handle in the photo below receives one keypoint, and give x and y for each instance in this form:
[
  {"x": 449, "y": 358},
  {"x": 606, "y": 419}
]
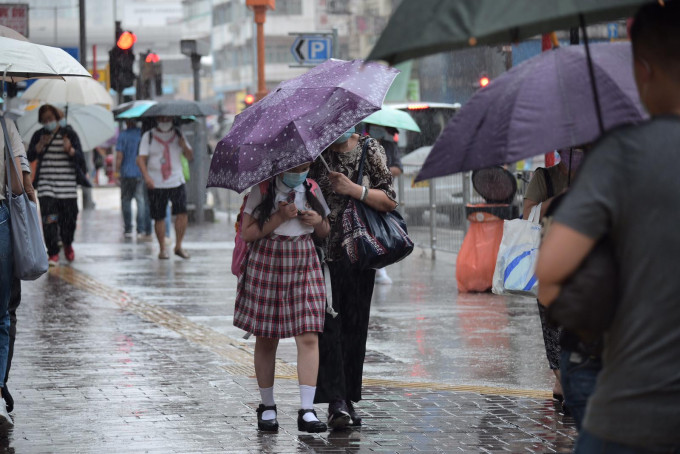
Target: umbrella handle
[
  {"x": 591, "y": 71},
  {"x": 325, "y": 163}
]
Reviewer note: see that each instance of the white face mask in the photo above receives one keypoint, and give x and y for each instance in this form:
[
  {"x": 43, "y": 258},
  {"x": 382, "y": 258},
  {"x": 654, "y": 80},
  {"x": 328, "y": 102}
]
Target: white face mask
[{"x": 165, "y": 126}]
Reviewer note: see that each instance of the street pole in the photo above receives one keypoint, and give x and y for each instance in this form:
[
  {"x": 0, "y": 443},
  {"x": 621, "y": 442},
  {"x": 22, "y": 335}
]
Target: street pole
[
  {"x": 83, "y": 40},
  {"x": 260, "y": 8}
]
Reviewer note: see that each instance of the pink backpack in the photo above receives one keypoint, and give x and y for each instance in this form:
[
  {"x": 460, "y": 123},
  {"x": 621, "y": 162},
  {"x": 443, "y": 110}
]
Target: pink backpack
[{"x": 241, "y": 248}]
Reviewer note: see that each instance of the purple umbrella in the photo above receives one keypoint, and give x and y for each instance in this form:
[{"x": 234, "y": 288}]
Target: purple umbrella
[
  {"x": 543, "y": 104},
  {"x": 296, "y": 122}
]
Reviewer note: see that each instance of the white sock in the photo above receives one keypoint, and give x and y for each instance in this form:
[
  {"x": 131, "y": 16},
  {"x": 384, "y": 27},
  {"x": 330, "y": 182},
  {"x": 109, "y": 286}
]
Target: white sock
[
  {"x": 307, "y": 401},
  {"x": 267, "y": 396}
]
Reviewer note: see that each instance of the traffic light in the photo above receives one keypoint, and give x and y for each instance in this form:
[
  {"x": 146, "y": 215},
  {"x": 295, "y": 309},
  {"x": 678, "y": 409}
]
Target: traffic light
[
  {"x": 248, "y": 101},
  {"x": 484, "y": 81},
  {"x": 151, "y": 71},
  {"x": 121, "y": 61}
]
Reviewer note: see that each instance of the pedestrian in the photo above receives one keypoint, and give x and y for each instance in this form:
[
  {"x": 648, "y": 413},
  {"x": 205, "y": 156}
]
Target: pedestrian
[
  {"x": 131, "y": 182},
  {"x": 628, "y": 190},
  {"x": 387, "y": 138},
  {"x": 281, "y": 291},
  {"x": 545, "y": 185},
  {"x": 342, "y": 345},
  {"x": 159, "y": 161},
  {"x": 10, "y": 286},
  {"x": 61, "y": 168}
]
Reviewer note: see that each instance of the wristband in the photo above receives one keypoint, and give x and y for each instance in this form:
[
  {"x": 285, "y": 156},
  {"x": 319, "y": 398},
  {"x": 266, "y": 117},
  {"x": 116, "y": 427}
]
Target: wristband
[{"x": 364, "y": 193}]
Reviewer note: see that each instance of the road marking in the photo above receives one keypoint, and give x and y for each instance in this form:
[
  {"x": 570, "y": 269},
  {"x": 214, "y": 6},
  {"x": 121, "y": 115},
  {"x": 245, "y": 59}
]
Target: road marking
[{"x": 240, "y": 354}]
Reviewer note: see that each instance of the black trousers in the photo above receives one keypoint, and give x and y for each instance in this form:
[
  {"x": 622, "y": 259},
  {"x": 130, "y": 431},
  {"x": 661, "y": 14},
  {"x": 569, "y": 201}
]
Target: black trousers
[
  {"x": 342, "y": 345},
  {"x": 14, "y": 301},
  {"x": 59, "y": 221}
]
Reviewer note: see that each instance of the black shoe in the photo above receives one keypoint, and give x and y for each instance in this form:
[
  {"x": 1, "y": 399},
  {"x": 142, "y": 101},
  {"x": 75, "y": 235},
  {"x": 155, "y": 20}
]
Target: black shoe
[
  {"x": 8, "y": 399},
  {"x": 356, "y": 419},
  {"x": 338, "y": 415},
  {"x": 311, "y": 427},
  {"x": 267, "y": 425}
]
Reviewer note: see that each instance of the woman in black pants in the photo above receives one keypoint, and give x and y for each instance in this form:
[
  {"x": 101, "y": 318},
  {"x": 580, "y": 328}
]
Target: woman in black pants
[
  {"x": 60, "y": 169},
  {"x": 342, "y": 345}
]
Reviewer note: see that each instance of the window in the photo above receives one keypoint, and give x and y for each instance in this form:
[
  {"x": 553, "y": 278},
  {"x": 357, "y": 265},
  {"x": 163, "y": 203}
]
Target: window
[{"x": 287, "y": 7}]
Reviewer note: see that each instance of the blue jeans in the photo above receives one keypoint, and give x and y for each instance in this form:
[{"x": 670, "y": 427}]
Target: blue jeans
[
  {"x": 6, "y": 272},
  {"x": 134, "y": 188},
  {"x": 578, "y": 378},
  {"x": 588, "y": 443}
]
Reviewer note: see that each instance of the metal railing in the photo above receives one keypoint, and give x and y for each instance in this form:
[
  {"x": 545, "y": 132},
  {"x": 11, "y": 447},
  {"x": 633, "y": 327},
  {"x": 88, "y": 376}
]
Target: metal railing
[{"x": 435, "y": 209}]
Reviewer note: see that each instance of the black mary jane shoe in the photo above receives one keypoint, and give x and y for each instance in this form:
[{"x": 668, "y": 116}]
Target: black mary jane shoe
[
  {"x": 356, "y": 419},
  {"x": 310, "y": 426},
  {"x": 266, "y": 425}
]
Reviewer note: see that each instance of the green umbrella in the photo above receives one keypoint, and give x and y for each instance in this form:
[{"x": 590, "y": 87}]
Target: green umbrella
[
  {"x": 423, "y": 27},
  {"x": 387, "y": 116}
]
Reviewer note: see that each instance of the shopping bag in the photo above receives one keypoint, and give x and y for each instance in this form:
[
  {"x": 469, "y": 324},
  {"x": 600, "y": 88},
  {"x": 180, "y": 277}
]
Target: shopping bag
[
  {"x": 28, "y": 247},
  {"x": 516, "y": 262}
]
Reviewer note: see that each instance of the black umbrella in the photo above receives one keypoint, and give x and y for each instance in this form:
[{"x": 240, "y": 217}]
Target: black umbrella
[{"x": 179, "y": 108}]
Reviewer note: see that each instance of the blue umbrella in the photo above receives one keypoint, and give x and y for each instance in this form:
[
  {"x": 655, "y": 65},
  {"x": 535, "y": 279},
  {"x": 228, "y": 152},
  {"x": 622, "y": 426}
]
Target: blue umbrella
[
  {"x": 540, "y": 105},
  {"x": 135, "y": 111}
]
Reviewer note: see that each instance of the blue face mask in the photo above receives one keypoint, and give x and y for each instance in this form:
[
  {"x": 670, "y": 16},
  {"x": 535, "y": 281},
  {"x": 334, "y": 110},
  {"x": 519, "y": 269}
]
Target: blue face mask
[
  {"x": 51, "y": 126},
  {"x": 293, "y": 180},
  {"x": 345, "y": 137},
  {"x": 62, "y": 122}
]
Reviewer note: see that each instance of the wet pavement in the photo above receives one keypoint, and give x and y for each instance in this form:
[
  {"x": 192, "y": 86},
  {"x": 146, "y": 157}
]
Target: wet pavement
[{"x": 121, "y": 352}]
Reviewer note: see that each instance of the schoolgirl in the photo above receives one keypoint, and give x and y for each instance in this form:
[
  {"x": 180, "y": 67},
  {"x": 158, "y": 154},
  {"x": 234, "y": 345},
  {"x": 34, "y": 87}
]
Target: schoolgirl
[{"x": 281, "y": 291}]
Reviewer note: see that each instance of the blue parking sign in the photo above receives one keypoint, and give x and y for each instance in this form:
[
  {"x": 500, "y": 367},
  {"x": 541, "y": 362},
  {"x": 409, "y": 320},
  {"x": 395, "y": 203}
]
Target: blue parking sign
[{"x": 318, "y": 49}]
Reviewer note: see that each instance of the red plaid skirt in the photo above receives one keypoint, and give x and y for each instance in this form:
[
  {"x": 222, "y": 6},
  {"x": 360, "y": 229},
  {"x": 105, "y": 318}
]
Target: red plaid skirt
[{"x": 281, "y": 291}]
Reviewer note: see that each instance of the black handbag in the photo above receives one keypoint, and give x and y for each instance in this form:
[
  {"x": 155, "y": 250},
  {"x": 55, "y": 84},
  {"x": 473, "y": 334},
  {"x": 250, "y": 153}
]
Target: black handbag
[
  {"x": 372, "y": 239},
  {"x": 588, "y": 299}
]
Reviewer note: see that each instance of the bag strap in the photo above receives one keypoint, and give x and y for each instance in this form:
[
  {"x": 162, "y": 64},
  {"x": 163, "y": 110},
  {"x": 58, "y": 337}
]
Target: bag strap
[
  {"x": 10, "y": 157},
  {"x": 548, "y": 182},
  {"x": 364, "y": 153}
]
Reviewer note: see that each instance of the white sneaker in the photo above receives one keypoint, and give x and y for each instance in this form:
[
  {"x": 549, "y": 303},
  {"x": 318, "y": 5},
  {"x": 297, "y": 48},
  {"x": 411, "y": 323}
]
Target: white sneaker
[
  {"x": 381, "y": 277},
  {"x": 5, "y": 419}
]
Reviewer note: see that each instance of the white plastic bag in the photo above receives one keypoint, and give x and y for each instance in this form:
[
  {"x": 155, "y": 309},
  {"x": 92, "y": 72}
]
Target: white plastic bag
[{"x": 516, "y": 262}]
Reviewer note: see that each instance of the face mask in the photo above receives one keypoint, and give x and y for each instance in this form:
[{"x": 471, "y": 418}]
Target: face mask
[
  {"x": 51, "y": 126},
  {"x": 345, "y": 137},
  {"x": 576, "y": 158},
  {"x": 165, "y": 126},
  {"x": 293, "y": 180},
  {"x": 62, "y": 122}
]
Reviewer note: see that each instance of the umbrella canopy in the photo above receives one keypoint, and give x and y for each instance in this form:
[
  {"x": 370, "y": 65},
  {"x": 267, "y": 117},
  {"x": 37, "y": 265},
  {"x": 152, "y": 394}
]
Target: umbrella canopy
[
  {"x": 537, "y": 106},
  {"x": 74, "y": 90},
  {"x": 93, "y": 124},
  {"x": 20, "y": 60},
  {"x": 135, "y": 111},
  {"x": 120, "y": 108},
  {"x": 296, "y": 122},
  {"x": 423, "y": 27},
  {"x": 7, "y": 32},
  {"x": 179, "y": 108},
  {"x": 394, "y": 118}
]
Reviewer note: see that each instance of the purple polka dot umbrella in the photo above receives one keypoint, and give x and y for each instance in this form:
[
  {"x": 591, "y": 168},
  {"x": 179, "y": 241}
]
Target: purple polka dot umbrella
[{"x": 297, "y": 121}]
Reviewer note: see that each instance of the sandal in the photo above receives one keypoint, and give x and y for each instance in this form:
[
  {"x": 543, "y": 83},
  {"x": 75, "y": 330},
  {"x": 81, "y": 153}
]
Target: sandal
[
  {"x": 182, "y": 253},
  {"x": 163, "y": 255}
]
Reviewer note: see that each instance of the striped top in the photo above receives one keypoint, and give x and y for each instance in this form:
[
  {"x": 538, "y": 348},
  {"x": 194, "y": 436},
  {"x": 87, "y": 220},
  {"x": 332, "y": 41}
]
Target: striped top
[{"x": 57, "y": 174}]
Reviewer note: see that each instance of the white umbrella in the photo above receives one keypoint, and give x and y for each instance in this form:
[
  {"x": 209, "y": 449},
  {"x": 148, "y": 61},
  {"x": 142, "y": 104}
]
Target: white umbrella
[
  {"x": 10, "y": 33},
  {"x": 73, "y": 90},
  {"x": 20, "y": 60},
  {"x": 93, "y": 124}
]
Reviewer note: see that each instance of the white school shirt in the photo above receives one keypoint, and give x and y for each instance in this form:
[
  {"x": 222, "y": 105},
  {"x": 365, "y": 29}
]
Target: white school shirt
[
  {"x": 292, "y": 227},
  {"x": 154, "y": 151}
]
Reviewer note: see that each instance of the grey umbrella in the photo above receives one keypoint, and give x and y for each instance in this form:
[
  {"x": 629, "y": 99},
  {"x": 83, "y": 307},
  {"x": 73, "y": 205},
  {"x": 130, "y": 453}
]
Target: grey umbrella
[{"x": 179, "y": 108}]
